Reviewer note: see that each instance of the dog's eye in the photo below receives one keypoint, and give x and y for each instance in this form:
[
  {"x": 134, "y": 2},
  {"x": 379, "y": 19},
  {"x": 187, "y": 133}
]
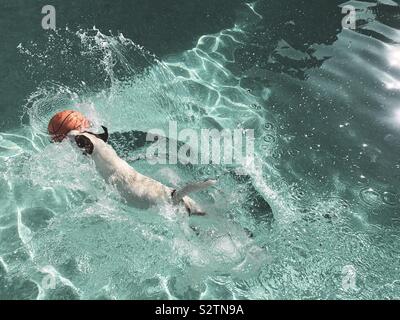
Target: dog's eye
[{"x": 79, "y": 141}]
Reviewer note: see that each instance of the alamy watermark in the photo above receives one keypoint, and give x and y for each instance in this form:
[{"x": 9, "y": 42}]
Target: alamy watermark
[
  {"x": 203, "y": 146},
  {"x": 349, "y": 21},
  {"x": 49, "y": 20}
]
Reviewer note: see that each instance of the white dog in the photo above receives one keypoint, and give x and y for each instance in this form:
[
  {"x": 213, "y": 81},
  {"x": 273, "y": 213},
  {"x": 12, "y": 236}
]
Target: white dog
[{"x": 139, "y": 190}]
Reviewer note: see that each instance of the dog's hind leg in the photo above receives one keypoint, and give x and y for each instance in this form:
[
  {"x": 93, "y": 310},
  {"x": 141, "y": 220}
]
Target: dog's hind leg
[{"x": 178, "y": 195}]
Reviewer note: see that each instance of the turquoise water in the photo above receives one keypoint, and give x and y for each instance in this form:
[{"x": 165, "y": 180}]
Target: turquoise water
[{"x": 322, "y": 202}]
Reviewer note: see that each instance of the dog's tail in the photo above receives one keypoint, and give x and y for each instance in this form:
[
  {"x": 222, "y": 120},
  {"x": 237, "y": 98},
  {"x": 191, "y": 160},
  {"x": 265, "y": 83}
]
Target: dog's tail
[{"x": 178, "y": 195}]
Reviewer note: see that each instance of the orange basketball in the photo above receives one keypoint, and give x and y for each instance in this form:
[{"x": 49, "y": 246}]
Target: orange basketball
[{"x": 65, "y": 121}]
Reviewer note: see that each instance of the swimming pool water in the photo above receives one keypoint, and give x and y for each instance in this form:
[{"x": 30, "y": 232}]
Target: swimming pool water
[{"x": 322, "y": 201}]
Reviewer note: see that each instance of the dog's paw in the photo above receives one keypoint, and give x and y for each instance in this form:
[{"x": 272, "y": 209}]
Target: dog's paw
[{"x": 192, "y": 208}]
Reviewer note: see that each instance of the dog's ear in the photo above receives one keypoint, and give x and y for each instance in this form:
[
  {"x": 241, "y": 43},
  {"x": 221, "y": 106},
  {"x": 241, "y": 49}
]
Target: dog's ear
[
  {"x": 103, "y": 136},
  {"x": 84, "y": 143}
]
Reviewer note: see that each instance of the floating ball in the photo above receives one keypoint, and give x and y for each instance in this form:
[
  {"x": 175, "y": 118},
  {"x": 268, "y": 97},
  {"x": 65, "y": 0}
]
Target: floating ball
[{"x": 64, "y": 122}]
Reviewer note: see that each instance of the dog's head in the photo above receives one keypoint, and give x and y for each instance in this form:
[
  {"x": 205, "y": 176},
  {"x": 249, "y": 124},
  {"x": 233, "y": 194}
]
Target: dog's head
[{"x": 87, "y": 140}]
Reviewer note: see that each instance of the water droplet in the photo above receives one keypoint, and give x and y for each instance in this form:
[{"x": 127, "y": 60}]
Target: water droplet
[
  {"x": 255, "y": 107},
  {"x": 269, "y": 126},
  {"x": 265, "y": 147},
  {"x": 293, "y": 152},
  {"x": 277, "y": 154},
  {"x": 390, "y": 198},
  {"x": 269, "y": 138},
  {"x": 370, "y": 197},
  {"x": 296, "y": 192}
]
